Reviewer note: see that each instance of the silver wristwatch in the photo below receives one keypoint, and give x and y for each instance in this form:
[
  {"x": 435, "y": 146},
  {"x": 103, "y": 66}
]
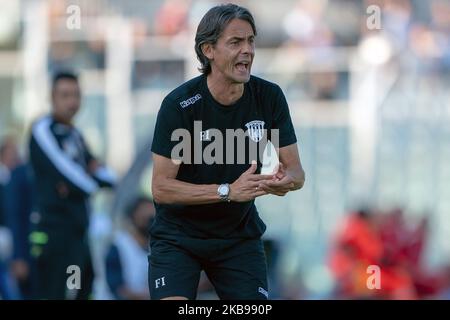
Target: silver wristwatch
[{"x": 224, "y": 191}]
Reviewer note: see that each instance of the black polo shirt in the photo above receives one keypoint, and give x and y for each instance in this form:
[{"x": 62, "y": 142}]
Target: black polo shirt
[{"x": 207, "y": 160}]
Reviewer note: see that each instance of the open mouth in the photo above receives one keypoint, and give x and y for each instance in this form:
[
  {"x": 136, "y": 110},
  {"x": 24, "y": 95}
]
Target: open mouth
[{"x": 242, "y": 66}]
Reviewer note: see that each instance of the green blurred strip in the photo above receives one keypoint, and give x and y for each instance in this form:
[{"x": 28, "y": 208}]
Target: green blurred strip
[{"x": 37, "y": 237}]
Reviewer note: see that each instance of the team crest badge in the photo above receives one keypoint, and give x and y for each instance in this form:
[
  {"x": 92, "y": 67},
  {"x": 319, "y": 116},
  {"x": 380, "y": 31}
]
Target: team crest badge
[{"x": 255, "y": 130}]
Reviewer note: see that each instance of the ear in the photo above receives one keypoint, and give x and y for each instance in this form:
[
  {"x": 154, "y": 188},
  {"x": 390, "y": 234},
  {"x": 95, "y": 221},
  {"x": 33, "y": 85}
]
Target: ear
[{"x": 208, "y": 50}]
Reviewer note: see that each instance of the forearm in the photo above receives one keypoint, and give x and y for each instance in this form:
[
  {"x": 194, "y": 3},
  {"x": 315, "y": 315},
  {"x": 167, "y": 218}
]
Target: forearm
[{"x": 173, "y": 191}]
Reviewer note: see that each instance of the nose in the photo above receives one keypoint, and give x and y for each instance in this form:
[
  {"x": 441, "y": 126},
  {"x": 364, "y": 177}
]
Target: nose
[{"x": 248, "y": 48}]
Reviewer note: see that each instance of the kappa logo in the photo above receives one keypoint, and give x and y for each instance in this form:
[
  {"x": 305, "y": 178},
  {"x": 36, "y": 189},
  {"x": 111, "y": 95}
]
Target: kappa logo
[
  {"x": 192, "y": 100},
  {"x": 255, "y": 130}
]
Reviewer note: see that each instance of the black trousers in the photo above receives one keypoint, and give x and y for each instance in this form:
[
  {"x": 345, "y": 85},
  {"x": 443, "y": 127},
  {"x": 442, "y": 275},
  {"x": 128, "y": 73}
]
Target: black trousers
[{"x": 62, "y": 262}]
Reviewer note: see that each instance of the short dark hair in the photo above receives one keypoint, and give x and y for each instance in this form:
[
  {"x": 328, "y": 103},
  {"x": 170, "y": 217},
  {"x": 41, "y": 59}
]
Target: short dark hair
[
  {"x": 135, "y": 204},
  {"x": 212, "y": 25},
  {"x": 63, "y": 75}
]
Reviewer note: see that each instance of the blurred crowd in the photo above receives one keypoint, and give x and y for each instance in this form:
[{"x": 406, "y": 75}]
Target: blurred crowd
[
  {"x": 413, "y": 36},
  {"x": 416, "y": 33},
  {"x": 395, "y": 247}
]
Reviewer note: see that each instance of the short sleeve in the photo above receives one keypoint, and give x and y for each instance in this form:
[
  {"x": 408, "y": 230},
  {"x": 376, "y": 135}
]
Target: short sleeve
[
  {"x": 168, "y": 120},
  {"x": 282, "y": 119}
]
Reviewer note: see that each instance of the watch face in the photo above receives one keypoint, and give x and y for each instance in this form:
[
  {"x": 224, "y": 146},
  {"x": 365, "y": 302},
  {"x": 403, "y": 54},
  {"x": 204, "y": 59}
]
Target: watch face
[{"x": 223, "y": 190}]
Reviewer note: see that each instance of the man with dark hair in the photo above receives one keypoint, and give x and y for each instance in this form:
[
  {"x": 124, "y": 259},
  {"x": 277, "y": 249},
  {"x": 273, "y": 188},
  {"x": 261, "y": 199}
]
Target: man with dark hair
[
  {"x": 206, "y": 218},
  {"x": 66, "y": 174},
  {"x": 63, "y": 75}
]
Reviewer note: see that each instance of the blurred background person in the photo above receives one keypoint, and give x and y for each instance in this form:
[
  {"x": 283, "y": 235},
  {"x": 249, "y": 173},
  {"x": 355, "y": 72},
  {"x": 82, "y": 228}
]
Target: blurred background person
[
  {"x": 9, "y": 157},
  {"x": 127, "y": 258},
  {"x": 374, "y": 238},
  {"x": 356, "y": 246},
  {"x": 17, "y": 208},
  {"x": 8, "y": 161},
  {"x": 66, "y": 174}
]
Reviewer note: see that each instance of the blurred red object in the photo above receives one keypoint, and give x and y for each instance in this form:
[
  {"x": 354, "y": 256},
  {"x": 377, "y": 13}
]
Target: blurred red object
[{"x": 360, "y": 244}]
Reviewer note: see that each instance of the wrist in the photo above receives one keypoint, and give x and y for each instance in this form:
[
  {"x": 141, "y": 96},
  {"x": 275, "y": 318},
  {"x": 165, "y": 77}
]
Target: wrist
[
  {"x": 230, "y": 194},
  {"x": 223, "y": 192}
]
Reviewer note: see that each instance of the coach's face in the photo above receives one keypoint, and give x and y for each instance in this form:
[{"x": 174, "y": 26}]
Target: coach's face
[
  {"x": 233, "y": 54},
  {"x": 66, "y": 99}
]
